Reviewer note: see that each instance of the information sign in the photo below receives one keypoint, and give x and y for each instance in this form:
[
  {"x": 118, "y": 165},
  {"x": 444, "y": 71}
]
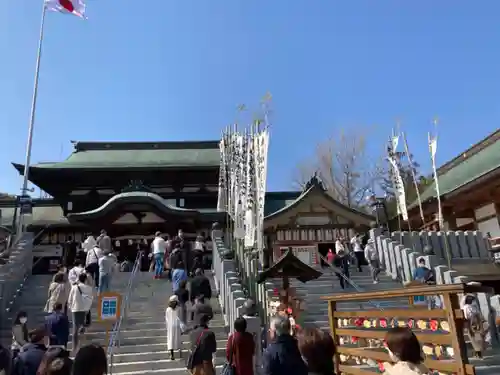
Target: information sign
[
  {"x": 419, "y": 300},
  {"x": 109, "y": 306}
]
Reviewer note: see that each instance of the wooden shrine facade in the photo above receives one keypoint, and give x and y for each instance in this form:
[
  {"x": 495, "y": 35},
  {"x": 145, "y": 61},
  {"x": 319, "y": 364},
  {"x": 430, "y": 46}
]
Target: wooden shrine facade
[
  {"x": 312, "y": 222},
  {"x": 131, "y": 188},
  {"x": 470, "y": 192}
]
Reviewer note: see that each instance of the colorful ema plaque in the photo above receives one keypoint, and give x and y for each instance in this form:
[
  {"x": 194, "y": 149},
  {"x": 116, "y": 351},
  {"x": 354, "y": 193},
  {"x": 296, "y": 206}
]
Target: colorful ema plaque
[{"x": 109, "y": 306}]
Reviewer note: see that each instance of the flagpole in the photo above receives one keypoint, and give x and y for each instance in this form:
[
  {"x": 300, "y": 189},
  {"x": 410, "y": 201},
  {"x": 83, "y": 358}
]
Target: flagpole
[
  {"x": 415, "y": 183},
  {"x": 436, "y": 181},
  {"x": 433, "y": 146},
  {"x": 29, "y": 143}
]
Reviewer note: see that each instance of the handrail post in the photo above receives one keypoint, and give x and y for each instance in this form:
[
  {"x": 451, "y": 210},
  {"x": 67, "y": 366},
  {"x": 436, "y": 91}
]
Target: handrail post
[
  {"x": 114, "y": 338},
  {"x": 451, "y": 304},
  {"x": 332, "y": 306}
]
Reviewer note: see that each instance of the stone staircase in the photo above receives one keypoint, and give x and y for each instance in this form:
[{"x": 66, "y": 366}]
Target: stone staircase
[
  {"x": 327, "y": 284},
  {"x": 143, "y": 343},
  {"x": 316, "y": 312}
]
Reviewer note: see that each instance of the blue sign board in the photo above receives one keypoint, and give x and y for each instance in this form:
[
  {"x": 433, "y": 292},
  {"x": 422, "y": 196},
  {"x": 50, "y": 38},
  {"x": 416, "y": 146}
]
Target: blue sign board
[
  {"x": 419, "y": 300},
  {"x": 109, "y": 307}
]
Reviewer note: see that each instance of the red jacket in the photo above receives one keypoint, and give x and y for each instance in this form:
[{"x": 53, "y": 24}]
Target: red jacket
[{"x": 243, "y": 351}]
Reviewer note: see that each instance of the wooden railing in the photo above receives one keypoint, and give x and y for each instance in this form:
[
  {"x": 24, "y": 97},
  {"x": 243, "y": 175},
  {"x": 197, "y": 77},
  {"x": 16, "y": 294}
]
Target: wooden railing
[{"x": 359, "y": 335}]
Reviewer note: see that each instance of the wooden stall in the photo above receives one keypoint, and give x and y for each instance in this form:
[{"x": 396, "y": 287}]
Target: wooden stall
[{"x": 359, "y": 335}]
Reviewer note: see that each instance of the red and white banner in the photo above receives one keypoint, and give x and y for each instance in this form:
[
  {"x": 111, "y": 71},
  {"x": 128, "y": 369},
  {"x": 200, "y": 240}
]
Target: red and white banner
[{"x": 75, "y": 7}]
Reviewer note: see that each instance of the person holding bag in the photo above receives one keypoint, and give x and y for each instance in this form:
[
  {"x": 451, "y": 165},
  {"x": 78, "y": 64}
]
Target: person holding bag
[
  {"x": 240, "y": 350},
  {"x": 203, "y": 348}
]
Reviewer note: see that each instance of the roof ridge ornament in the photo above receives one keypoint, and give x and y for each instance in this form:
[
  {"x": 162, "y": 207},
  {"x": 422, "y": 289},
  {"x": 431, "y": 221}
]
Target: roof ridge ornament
[
  {"x": 315, "y": 181},
  {"x": 136, "y": 185}
]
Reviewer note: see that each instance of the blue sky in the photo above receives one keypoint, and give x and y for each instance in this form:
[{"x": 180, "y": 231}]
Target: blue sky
[{"x": 176, "y": 70}]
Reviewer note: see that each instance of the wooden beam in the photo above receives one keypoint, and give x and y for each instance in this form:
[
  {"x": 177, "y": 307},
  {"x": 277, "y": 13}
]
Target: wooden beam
[{"x": 449, "y": 218}]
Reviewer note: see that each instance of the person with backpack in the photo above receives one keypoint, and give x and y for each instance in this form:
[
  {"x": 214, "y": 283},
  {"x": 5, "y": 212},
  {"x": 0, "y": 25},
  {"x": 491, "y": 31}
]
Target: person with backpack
[
  {"x": 80, "y": 302},
  {"x": 92, "y": 263}
]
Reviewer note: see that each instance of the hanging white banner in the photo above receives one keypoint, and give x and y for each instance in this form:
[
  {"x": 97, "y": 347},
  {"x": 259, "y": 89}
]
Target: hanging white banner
[{"x": 399, "y": 189}]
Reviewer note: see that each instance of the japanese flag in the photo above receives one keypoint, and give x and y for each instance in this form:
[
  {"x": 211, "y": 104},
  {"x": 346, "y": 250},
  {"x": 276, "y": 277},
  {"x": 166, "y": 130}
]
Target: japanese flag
[{"x": 76, "y": 7}]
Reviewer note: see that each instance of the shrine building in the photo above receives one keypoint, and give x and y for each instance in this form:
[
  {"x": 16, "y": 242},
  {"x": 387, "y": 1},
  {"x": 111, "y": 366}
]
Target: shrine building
[
  {"x": 470, "y": 191},
  {"x": 133, "y": 189}
]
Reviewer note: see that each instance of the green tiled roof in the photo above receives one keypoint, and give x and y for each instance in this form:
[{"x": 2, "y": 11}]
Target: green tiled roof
[
  {"x": 479, "y": 164},
  {"x": 275, "y": 201},
  {"x": 140, "y": 154}
]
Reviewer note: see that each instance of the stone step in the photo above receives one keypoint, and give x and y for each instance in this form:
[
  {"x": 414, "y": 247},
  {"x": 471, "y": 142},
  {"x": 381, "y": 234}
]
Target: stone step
[
  {"x": 164, "y": 363},
  {"x": 172, "y": 371},
  {"x": 130, "y": 351}
]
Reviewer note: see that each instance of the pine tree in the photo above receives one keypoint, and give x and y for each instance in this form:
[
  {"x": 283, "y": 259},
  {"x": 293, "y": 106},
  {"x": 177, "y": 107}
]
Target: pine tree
[{"x": 405, "y": 170}]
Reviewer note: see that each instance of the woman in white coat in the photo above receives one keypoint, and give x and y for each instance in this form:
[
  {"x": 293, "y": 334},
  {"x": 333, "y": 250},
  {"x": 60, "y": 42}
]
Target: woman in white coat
[{"x": 174, "y": 326}]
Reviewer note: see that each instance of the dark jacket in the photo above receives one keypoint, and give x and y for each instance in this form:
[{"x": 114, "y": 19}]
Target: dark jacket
[
  {"x": 5, "y": 360},
  {"x": 200, "y": 285},
  {"x": 183, "y": 295},
  {"x": 204, "y": 338},
  {"x": 282, "y": 357},
  {"x": 186, "y": 255},
  {"x": 177, "y": 259},
  {"x": 201, "y": 309},
  {"x": 58, "y": 326},
  {"x": 27, "y": 362},
  {"x": 342, "y": 263}
]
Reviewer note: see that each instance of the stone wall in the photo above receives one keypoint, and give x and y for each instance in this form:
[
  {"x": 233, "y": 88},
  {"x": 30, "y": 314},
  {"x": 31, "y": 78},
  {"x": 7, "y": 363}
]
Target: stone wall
[
  {"x": 400, "y": 253},
  {"x": 231, "y": 291},
  {"x": 460, "y": 245}
]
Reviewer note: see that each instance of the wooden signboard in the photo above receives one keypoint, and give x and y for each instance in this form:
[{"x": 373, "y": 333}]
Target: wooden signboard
[{"x": 108, "y": 310}]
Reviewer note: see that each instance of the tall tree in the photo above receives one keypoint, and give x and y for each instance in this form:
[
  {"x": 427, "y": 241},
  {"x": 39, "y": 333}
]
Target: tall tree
[
  {"x": 405, "y": 170},
  {"x": 408, "y": 168},
  {"x": 345, "y": 167}
]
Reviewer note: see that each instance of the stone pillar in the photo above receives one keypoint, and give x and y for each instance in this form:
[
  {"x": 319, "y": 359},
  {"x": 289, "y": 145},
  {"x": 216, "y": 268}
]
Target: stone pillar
[
  {"x": 439, "y": 271},
  {"x": 449, "y": 276},
  {"x": 416, "y": 241},
  {"x": 399, "y": 262},
  {"x": 413, "y": 261},
  {"x": 481, "y": 245},
  {"x": 405, "y": 254},
  {"x": 471, "y": 242},
  {"x": 453, "y": 245},
  {"x": 462, "y": 242}
]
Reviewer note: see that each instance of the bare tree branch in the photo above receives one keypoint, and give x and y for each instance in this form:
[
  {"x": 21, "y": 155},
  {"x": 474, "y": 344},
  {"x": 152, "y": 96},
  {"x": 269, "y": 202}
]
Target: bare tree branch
[
  {"x": 302, "y": 174},
  {"x": 346, "y": 169}
]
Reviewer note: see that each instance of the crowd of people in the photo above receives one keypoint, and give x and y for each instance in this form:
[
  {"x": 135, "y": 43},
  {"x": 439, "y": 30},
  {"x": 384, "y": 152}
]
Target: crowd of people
[
  {"x": 311, "y": 351},
  {"x": 39, "y": 357},
  {"x": 360, "y": 251},
  {"x": 43, "y": 350}
]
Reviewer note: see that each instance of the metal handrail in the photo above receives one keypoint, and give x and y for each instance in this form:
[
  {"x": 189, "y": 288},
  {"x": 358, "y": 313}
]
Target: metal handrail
[
  {"x": 114, "y": 336},
  {"x": 349, "y": 281},
  {"x": 26, "y": 275},
  {"x": 7, "y": 251}
]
